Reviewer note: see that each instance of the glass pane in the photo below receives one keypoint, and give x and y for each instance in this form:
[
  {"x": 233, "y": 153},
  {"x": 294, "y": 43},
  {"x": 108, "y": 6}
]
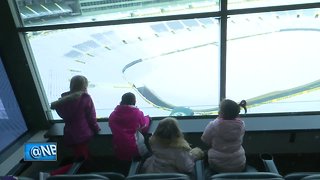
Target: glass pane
[
  {"x": 171, "y": 66},
  {"x": 273, "y": 61},
  {"x": 241, "y": 4},
  {"x": 70, "y": 11}
]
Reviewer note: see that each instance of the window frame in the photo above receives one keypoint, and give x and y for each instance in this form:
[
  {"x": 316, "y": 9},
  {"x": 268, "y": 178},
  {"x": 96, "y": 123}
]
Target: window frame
[{"x": 222, "y": 15}]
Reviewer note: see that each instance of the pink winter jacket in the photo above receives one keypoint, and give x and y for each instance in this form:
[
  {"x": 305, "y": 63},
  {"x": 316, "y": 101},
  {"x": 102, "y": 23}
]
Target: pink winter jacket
[
  {"x": 126, "y": 122},
  {"x": 80, "y": 120},
  {"x": 225, "y": 139}
]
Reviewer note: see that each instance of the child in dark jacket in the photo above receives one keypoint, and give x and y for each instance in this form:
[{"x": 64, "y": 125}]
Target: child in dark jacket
[
  {"x": 224, "y": 135},
  {"x": 77, "y": 110}
]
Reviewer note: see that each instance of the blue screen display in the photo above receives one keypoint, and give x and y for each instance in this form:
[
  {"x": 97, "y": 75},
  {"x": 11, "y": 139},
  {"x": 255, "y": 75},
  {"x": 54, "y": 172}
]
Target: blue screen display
[{"x": 12, "y": 124}]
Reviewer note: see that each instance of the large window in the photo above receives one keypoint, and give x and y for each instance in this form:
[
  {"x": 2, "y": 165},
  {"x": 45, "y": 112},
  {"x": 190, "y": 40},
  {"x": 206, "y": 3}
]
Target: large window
[
  {"x": 272, "y": 60},
  {"x": 179, "y": 57},
  {"x": 163, "y": 63}
]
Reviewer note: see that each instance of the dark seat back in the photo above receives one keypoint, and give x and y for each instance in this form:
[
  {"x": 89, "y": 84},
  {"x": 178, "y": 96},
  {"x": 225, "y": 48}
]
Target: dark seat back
[
  {"x": 137, "y": 164},
  {"x": 112, "y": 175},
  {"x": 268, "y": 163},
  {"x": 159, "y": 176},
  {"x": 312, "y": 177},
  {"x": 78, "y": 176},
  {"x": 76, "y": 165},
  {"x": 299, "y": 175},
  {"x": 10, "y": 177},
  {"x": 247, "y": 175}
]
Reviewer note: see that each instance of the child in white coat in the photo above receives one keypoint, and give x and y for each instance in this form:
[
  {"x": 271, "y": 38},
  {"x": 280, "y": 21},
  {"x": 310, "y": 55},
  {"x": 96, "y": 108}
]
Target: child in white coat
[{"x": 224, "y": 135}]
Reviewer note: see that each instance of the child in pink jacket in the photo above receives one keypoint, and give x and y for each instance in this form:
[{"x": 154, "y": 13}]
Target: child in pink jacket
[
  {"x": 127, "y": 123},
  {"x": 224, "y": 135}
]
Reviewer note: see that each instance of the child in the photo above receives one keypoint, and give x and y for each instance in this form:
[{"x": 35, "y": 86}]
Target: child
[
  {"x": 225, "y": 135},
  {"x": 171, "y": 152},
  {"x": 77, "y": 110},
  {"x": 127, "y": 123}
]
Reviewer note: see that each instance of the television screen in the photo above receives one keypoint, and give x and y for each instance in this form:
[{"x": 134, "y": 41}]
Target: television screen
[{"x": 12, "y": 124}]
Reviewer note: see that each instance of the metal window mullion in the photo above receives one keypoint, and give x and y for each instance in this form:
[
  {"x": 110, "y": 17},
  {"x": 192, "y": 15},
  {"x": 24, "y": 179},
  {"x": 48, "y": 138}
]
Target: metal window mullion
[
  {"x": 118, "y": 22},
  {"x": 222, "y": 48},
  {"x": 273, "y": 8},
  {"x": 35, "y": 74}
]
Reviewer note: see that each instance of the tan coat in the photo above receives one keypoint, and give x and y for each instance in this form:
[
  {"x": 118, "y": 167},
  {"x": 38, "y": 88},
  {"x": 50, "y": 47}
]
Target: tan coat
[{"x": 169, "y": 157}]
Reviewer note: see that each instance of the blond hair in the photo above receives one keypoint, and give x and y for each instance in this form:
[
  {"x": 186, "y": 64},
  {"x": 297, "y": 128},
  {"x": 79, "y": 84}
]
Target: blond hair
[
  {"x": 78, "y": 83},
  {"x": 169, "y": 134}
]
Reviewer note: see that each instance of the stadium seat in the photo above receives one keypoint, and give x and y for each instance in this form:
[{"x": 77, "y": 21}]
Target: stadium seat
[
  {"x": 250, "y": 172},
  {"x": 312, "y": 177},
  {"x": 208, "y": 173},
  {"x": 136, "y": 165},
  {"x": 111, "y": 175},
  {"x": 76, "y": 165},
  {"x": 159, "y": 176},
  {"x": 299, "y": 175},
  {"x": 248, "y": 168},
  {"x": 268, "y": 163},
  {"x": 199, "y": 170},
  {"x": 10, "y": 177},
  {"x": 247, "y": 175},
  {"x": 78, "y": 176}
]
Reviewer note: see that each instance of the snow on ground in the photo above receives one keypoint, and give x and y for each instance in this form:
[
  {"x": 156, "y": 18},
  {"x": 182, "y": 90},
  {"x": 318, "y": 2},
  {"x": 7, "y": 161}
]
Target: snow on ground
[{"x": 180, "y": 66}]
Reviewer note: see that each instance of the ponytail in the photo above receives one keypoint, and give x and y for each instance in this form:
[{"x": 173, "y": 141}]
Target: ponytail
[{"x": 243, "y": 104}]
